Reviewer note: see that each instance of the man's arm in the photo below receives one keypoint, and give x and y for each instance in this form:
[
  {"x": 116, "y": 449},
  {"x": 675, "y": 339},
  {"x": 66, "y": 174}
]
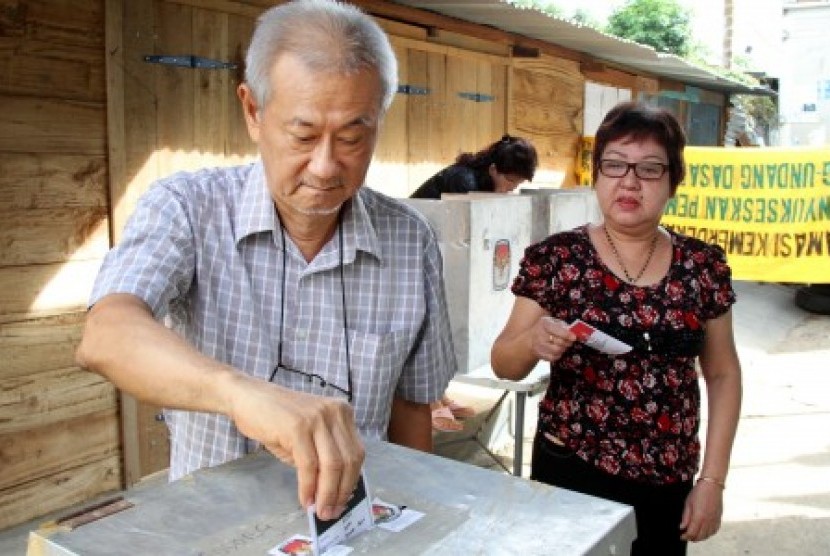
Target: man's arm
[
  {"x": 124, "y": 343},
  {"x": 410, "y": 424}
]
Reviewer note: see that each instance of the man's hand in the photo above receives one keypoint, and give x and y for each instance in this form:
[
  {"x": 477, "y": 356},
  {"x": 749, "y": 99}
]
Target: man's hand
[{"x": 315, "y": 434}]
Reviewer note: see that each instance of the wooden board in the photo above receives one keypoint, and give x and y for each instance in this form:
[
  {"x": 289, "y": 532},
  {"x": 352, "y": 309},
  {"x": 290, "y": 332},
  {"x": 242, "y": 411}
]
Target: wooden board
[
  {"x": 45, "y": 290},
  {"x": 51, "y": 397},
  {"x": 547, "y": 103},
  {"x": 42, "y": 236},
  {"x": 42, "y": 451},
  {"x": 43, "y": 181},
  {"x": 32, "y": 124},
  {"x": 32, "y": 499},
  {"x": 37, "y": 345}
]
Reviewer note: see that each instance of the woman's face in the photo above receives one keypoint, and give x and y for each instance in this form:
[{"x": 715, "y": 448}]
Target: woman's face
[
  {"x": 629, "y": 200},
  {"x": 504, "y": 183}
]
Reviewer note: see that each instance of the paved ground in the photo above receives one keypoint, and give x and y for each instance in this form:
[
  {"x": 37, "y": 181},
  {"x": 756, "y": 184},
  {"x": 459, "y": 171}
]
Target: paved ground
[{"x": 778, "y": 498}]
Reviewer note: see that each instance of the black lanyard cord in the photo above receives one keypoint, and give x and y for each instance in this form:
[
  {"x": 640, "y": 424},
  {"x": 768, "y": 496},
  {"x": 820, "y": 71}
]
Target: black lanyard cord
[{"x": 343, "y": 301}]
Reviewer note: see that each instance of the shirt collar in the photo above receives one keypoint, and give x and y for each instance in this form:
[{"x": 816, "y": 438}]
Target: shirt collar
[
  {"x": 256, "y": 214},
  {"x": 255, "y": 211}
]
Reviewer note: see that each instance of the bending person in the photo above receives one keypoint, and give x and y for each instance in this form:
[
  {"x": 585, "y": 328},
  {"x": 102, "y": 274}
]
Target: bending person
[
  {"x": 282, "y": 278},
  {"x": 625, "y": 427},
  {"x": 500, "y": 167}
]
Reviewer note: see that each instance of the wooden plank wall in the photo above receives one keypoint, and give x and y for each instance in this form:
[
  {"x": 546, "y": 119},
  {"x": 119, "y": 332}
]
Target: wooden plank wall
[
  {"x": 59, "y": 441},
  {"x": 546, "y": 107}
]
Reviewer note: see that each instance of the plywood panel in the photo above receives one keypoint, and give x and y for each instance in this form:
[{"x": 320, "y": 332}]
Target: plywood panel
[
  {"x": 498, "y": 108},
  {"x": 39, "y": 236},
  {"x": 483, "y": 123},
  {"x": 32, "y": 124},
  {"x": 31, "y": 499},
  {"x": 78, "y": 23},
  {"x": 51, "y": 70},
  {"x": 51, "y": 397},
  {"x": 418, "y": 120},
  {"x": 42, "y": 181},
  {"x": 175, "y": 91},
  {"x": 442, "y": 147},
  {"x": 211, "y": 91},
  {"x": 558, "y": 155},
  {"x": 45, "y": 290},
  {"x": 154, "y": 439},
  {"x": 42, "y": 451},
  {"x": 38, "y": 345},
  {"x": 139, "y": 140},
  {"x": 547, "y": 102},
  {"x": 462, "y": 79},
  {"x": 388, "y": 172},
  {"x": 239, "y": 146}
]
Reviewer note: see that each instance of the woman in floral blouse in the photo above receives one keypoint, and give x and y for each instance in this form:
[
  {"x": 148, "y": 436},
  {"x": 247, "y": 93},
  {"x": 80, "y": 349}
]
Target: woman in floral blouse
[{"x": 625, "y": 426}]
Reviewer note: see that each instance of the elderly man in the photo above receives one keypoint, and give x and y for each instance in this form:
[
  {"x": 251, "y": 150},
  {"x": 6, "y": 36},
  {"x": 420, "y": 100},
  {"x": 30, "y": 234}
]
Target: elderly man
[{"x": 304, "y": 311}]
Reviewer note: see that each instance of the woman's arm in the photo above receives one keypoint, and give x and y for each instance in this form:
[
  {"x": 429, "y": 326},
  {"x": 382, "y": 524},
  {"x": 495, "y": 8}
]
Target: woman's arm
[
  {"x": 529, "y": 335},
  {"x": 722, "y": 375}
]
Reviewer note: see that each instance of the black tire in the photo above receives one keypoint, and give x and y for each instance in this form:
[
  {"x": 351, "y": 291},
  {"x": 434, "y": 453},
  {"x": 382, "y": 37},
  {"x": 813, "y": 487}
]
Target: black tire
[{"x": 814, "y": 298}]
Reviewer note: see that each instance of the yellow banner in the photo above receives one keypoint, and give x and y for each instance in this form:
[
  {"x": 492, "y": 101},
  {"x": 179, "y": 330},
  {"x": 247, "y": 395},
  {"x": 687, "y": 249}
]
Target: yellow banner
[{"x": 769, "y": 208}]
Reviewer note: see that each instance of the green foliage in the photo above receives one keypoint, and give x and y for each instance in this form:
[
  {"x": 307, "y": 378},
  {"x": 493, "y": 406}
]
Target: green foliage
[
  {"x": 542, "y": 6},
  {"x": 664, "y": 25}
]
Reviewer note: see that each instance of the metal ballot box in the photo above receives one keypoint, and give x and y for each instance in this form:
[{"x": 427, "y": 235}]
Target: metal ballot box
[
  {"x": 247, "y": 507},
  {"x": 482, "y": 238}
]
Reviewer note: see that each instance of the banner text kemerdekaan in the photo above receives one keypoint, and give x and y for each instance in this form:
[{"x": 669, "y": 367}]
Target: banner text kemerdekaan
[{"x": 762, "y": 244}]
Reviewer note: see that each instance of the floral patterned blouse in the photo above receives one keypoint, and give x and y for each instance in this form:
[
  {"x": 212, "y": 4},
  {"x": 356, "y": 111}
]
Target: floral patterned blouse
[{"x": 634, "y": 415}]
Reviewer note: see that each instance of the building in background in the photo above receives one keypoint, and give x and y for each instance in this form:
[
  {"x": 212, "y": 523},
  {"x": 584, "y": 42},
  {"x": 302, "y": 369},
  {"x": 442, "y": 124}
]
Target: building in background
[{"x": 804, "y": 102}]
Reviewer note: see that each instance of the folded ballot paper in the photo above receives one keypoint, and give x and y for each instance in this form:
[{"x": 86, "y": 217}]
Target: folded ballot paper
[{"x": 598, "y": 339}]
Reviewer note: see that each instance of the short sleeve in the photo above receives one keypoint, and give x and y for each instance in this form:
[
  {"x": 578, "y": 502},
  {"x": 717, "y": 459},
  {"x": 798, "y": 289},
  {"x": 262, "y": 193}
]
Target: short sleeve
[
  {"x": 717, "y": 294},
  {"x": 155, "y": 258},
  {"x": 535, "y": 276}
]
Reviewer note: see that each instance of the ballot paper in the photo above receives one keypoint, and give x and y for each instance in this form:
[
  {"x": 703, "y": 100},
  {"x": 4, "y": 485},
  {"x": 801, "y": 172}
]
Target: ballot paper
[
  {"x": 356, "y": 519},
  {"x": 393, "y": 517},
  {"x": 597, "y": 339}
]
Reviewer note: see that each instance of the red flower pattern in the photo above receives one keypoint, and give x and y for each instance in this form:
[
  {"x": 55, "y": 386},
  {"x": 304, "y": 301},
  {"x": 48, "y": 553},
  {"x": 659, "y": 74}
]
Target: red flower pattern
[{"x": 635, "y": 415}]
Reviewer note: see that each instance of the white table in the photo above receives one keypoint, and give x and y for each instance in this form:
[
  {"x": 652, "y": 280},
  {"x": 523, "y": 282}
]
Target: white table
[{"x": 534, "y": 383}]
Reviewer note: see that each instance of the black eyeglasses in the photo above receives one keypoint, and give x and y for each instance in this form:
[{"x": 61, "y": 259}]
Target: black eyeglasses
[
  {"x": 314, "y": 378},
  {"x": 643, "y": 170}
]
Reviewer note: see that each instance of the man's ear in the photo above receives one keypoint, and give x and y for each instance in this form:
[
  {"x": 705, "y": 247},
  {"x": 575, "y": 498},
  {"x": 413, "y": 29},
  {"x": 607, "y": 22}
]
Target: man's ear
[{"x": 250, "y": 110}]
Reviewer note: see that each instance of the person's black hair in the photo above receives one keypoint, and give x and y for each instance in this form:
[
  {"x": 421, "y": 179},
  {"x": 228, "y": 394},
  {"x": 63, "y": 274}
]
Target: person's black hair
[
  {"x": 638, "y": 121},
  {"x": 511, "y": 155}
]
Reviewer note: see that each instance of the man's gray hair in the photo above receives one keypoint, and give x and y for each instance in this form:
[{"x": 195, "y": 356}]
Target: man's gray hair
[{"x": 326, "y": 36}]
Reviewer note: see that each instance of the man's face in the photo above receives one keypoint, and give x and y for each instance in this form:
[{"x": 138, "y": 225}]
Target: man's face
[{"x": 316, "y": 134}]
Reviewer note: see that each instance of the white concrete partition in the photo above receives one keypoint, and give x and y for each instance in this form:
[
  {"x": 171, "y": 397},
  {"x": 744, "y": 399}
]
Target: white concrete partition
[
  {"x": 555, "y": 210},
  {"x": 482, "y": 238}
]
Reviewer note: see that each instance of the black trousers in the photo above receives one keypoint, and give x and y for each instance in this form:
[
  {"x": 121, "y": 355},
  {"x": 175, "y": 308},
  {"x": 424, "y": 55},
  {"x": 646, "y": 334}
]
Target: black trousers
[{"x": 657, "y": 508}]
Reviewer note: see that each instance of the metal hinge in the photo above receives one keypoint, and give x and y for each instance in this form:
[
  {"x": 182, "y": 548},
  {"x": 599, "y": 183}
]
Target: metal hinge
[
  {"x": 190, "y": 62},
  {"x": 412, "y": 90},
  {"x": 477, "y": 97}
]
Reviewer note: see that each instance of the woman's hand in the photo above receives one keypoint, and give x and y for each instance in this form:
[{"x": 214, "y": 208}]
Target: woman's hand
[
  {"x": 551, "y": 338},
  {"x": 702, "y": 512}
]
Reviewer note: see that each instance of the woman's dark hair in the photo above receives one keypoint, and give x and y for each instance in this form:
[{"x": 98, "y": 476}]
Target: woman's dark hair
[
  {"x": 511, "y": 155},
  {"x": 639, "y": 122}
]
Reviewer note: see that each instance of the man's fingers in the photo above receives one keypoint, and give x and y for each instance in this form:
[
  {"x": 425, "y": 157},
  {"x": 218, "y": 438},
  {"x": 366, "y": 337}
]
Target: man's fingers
[
  {"x": 351, "y": 451},
  {"x": 340, "y": 460}
]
